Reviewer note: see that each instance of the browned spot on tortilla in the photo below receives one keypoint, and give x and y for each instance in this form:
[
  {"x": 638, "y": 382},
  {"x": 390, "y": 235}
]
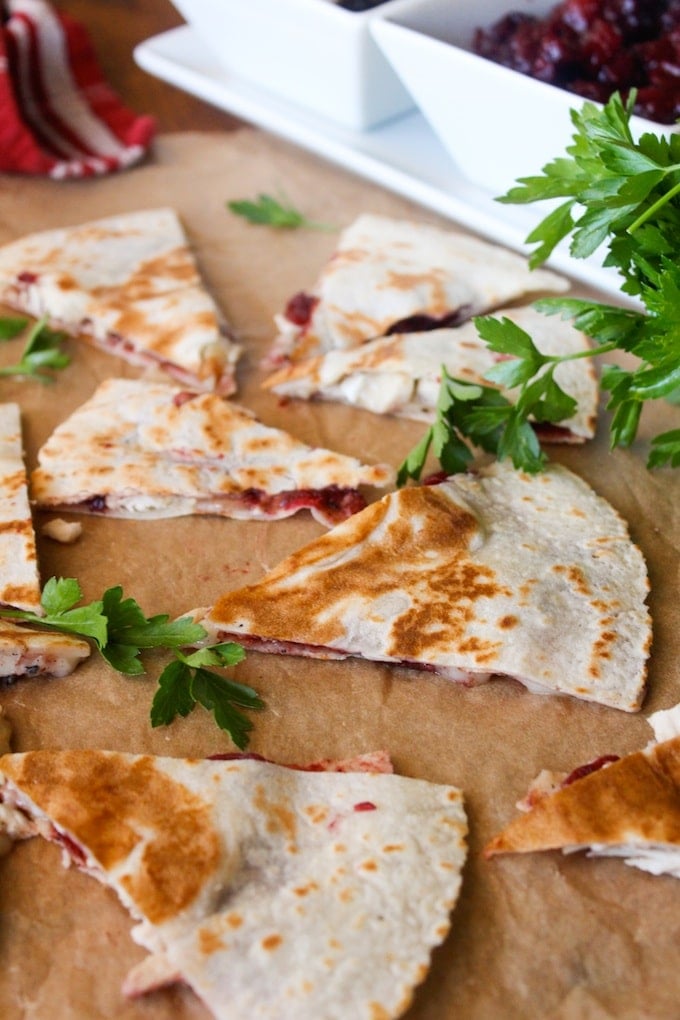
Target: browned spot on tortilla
[
  {"x": 17, "y": 594},
  {"x": 271, "y": 942},
  {"x": 369, "y": 865},
  {"x": 601, "y": 650},
  {"x": 391, "y": 848},
  {"x": 17, "y": 527},
  {"x": 508, "y": 622},
  {"x": 112, "y": 806},
  {"x": 431, "y": 284},
  {"x": 234, "y": 920},
  {"x": 304, "y": 890},
  {"x": 209, "y": 942},
  {"x": 279, "y": 816},
  {"x": 316, "y": 813},
  {"x": 378, "y": 1012},
  {"x": 175, "y": 269},
  {"x": 13, "y": 483}
]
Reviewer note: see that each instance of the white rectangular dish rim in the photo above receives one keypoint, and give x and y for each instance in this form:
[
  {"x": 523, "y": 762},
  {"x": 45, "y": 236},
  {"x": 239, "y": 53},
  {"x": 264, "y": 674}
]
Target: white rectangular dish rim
[{"x": 402, "y": 155}]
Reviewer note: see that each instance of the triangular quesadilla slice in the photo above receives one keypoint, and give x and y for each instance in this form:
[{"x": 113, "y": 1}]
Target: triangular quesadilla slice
[
  {"x": 130, "y": 285},
  {"x": 271, "y": 891},
  {"x": 397, "y": 276},
  {"x": 19, "y": 575},
  {"x": 149, "y": 450},
  {"x": 24, "y": 651},
  {"x": 401, "y": 374},
  {"x": 498, "y": 572},
  {"x": 627, "y": 807}
]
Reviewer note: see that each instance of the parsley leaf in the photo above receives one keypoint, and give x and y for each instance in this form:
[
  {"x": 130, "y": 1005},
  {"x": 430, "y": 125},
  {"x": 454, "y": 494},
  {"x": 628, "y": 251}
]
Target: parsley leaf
[
  {"x": 42, "y": 352},
  {"x": 186, "y": 682},
  {"x": 470, "y": 414},
  {"x": 11, "y": 326},
  {"x": 129, "y": 631},
  {"x": 270, "y": 212},
  {"x": 666, "y": 449},
  {"x": 58, "y": 600}
]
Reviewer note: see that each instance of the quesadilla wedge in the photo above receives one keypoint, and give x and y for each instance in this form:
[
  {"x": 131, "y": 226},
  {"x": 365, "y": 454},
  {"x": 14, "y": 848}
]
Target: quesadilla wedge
[
  {"x": 499, "y": 572},
  {"x": 397, "y": 276},
  {"x": 271, "y": 891},
  {"x": 19, "y": 575},
  {"x": 24, "y": 651},
  {"x": 401, "y": 374},
  {"x": 149, "y": 450},
  {"x": 613, "y": 807},
  {"x": 130, "y": 285}
]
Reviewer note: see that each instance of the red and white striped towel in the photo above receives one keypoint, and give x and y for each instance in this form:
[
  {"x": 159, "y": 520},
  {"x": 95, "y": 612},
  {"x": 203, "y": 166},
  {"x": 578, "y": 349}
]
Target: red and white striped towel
[{"x": 58, "y": 116}]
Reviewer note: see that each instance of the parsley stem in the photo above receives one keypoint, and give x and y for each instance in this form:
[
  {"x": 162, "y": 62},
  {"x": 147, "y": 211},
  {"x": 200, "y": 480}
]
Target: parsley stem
[
  {"x": 659, "y": 204},
  {"x": 591, "y": 352}
]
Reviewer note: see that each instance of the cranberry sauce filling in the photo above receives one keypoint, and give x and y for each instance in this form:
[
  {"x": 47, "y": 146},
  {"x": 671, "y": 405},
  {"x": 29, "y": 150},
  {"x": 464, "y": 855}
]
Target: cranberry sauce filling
[
  {"x": 335, "y": 502},
  {"x": 586, "y": 770},
  {"x": 95, "y": 504},
  {"x": 421, "y": 323},
  {"x": 550, "y": 433},
  {"x": 300, "y": 307},
  {"x": 70, "y": 846}
]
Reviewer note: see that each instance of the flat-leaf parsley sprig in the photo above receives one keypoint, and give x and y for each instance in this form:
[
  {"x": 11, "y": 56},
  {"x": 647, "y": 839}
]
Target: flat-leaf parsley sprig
[
  {"x": 121, "y": 632},
  {"x": 472, "y": 414},
  {"x": 622, "y": 196},
  {"x": 186, "y": 682},
  {"x": 268, "y": 211},
  {"x": 42, "y": 353}
]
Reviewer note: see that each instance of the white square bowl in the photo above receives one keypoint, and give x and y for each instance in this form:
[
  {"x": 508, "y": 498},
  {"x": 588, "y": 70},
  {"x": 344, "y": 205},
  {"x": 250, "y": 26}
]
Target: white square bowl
[
  {"x": 313, "y": 53},
  {"x": 496, "y": 124}
]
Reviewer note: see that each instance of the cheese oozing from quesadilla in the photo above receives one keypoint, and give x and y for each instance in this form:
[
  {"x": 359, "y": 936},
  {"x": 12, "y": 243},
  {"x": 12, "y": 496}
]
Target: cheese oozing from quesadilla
[
  {"x": 27, "y": 652},
  {"x": 618, "y": 807},
  {"x": 150, "y": 450},
  {"x": 493, "y": 573},
  {"x": 271, "y": 891},
  {"x": 130, "y": 285},
  {"x": 401, "y": 374},
  {"x": 390, "y": 275}
]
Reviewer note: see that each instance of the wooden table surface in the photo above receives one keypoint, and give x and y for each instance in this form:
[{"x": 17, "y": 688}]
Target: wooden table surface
[{"x": 115, "y": 28}]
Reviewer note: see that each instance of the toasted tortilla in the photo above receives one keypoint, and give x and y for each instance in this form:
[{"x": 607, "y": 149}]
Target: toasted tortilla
[
  {"x": 19, "y": 574},
  {"x": 130, "y": 285},
  {"x": 149, "y": 450},
  {"x": 24, "y": 651},
  {"x": 389, "y": 275},
  {"x": 401, "y": 374},
  {"x": 494, "y": 573},
  {"x": 628, "y": 808},
  {"x": 271, "y": 891}
]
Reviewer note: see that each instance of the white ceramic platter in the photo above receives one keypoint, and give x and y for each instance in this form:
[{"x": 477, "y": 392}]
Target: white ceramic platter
[{"x": 403, "y": 154}]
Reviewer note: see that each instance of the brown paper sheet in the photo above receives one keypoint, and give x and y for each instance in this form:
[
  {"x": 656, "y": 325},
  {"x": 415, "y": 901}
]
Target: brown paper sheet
[{"x": 539, "y": 936}]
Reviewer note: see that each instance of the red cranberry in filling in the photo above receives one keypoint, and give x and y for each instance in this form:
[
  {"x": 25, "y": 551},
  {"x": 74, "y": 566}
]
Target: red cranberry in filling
[{"x": 300, "y": 307}]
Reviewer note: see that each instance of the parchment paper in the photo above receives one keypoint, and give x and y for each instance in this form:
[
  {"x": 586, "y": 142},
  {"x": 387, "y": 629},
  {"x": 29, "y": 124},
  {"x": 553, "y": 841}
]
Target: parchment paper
[{"x": 537, "y": 936}]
